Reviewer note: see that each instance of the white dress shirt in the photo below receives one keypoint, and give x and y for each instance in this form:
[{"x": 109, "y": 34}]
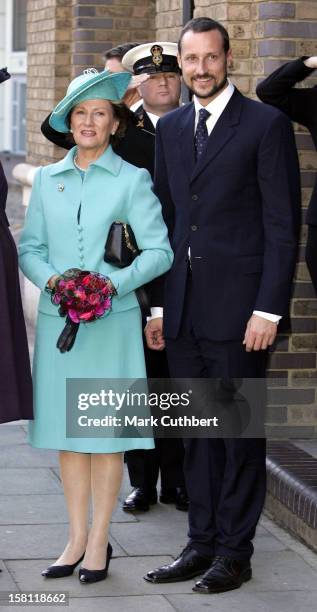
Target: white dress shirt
[
  {"x": 153, "y": 118},
  {"x": 134, "y": 107},
  {"x": 215, "y": 108}
]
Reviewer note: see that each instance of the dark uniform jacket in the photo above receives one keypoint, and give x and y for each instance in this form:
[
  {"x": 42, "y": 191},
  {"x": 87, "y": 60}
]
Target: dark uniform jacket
[{"x": 299, "y": 104}]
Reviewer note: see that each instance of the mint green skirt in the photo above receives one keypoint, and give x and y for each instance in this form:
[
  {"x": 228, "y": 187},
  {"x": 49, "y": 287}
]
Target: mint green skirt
[{"x": 110, "y": 348}]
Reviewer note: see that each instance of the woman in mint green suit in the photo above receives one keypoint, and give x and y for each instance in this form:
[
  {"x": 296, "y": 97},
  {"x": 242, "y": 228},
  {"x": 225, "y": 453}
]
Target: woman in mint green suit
[{"x": 72, "y": 207}]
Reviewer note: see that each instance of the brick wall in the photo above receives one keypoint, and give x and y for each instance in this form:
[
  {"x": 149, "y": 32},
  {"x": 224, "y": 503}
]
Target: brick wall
[
  {"x": 101, "y": 24},
  {"x": 282, "y": 31},
  {"x": 169, "y": 19},
  {"x": 49, "y": 68},
  {"x": 66, "y": 36}
]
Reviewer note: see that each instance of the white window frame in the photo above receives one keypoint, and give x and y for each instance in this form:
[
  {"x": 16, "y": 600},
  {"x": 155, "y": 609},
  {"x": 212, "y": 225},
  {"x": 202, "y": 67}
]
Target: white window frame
[{"x": 17, "y": 65}]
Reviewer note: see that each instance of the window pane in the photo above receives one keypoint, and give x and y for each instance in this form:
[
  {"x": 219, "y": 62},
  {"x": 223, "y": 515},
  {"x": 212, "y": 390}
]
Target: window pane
[{"x": 19, "y": 25}]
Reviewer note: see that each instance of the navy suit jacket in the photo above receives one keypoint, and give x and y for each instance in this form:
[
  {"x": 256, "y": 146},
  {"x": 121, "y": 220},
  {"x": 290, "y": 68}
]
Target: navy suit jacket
[{"x": 237, "y": 209}]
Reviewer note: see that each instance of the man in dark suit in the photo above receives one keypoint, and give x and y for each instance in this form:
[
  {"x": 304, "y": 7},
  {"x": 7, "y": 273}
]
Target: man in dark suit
[
  {"x": 228, "y": 179},
  {"x": 300, "y": 105}
]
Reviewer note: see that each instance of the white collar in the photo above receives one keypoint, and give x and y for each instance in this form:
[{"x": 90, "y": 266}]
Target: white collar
[
  {"x": 218, "y": 105},
  {"x": 153, "y": 118}
]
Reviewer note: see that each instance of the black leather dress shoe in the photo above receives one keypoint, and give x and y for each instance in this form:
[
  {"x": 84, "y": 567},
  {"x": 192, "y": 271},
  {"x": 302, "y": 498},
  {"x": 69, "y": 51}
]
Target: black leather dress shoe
[
  {"x": 140, "y": 500},
  {"x": 187, "y": 565},
  {"x": 224, "y": 575},
  {"x": 168, "y": 495},
  {"x": 177, "y": 496},
  {"x": 182, "y": 501}
]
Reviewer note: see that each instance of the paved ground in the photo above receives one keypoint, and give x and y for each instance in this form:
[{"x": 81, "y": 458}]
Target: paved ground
[
  {"x": 33, "y": 528},
  {"x": 33, "y": 531}
]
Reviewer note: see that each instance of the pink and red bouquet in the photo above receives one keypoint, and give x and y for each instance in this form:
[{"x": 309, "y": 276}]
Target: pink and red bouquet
[{"x": 81, "y": 297}]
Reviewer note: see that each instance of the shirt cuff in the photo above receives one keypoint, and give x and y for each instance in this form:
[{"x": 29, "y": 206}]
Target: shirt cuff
[
  {"x": 267, "y": 315},
  {"x": 156, "y": 312}
]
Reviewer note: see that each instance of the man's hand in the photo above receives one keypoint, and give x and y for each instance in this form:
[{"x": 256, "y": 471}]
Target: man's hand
[
  {"x": 154, "y": 334},
  {"x": 137, "y": 80},
  {"x": 260, "y": 333},
  {"x": 311, "y": 62}
]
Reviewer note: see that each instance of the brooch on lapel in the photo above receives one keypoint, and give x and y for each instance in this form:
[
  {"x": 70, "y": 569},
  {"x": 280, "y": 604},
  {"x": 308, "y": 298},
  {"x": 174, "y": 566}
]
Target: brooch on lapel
[{"x": 60, "y": 187}]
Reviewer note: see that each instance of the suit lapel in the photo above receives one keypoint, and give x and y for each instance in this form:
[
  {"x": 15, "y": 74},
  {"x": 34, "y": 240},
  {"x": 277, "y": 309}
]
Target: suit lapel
[
  {"x": 186, "y": 139},
  {"x": 221, "y": 134}
]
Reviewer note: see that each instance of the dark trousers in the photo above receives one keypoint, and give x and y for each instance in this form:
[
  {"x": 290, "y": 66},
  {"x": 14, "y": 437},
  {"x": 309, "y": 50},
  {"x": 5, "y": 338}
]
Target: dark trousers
[
  {"x": 225, "y": 478},
  {"x": 311, "y": 254},
  {"x": 167, "y": 457}
]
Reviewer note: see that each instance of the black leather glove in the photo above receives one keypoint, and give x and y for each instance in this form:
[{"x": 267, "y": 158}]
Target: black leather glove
[{"x": 67, "y": 338}]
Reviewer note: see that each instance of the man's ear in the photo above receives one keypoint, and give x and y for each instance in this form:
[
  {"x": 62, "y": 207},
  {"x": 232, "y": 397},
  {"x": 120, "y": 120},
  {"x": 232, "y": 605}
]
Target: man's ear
[
  {"x": 179, "y": 60},
  {"x": 229, "y": 59}
]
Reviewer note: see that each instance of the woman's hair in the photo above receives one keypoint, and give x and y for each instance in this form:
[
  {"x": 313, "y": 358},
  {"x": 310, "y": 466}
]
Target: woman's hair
[{"x": 120, "y": 111}]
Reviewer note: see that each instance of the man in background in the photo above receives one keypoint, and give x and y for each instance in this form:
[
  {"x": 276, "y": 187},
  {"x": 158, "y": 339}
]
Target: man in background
[
  {"x": 113, "y": 63},
  {"x": 160, "y": 93}
]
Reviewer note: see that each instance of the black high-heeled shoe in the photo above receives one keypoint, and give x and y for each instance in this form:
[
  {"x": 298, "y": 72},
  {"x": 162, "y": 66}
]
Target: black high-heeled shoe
[
  {"x": 60, "y": 571},
  {"x": 86, "y": 576}
]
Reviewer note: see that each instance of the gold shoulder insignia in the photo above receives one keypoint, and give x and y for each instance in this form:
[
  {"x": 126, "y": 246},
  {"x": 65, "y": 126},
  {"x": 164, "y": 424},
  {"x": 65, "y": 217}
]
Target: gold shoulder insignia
[{"x": 140, "y": 123}]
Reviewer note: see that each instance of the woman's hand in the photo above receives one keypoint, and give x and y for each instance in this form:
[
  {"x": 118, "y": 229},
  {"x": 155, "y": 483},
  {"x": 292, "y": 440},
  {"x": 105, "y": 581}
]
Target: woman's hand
[
  {"x": 311, "y": 62},
  {"x": 111, "y": 286},
  {"x": 51, "y": 282}
]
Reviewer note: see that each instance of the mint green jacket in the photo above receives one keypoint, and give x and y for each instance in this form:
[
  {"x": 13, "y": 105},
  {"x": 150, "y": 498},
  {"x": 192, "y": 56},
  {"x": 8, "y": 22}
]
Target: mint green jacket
[{"x": 57, "y": 237}]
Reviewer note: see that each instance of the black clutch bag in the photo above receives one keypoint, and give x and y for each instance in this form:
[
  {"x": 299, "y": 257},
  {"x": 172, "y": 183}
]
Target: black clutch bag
[{"x": 120, "y": 250}]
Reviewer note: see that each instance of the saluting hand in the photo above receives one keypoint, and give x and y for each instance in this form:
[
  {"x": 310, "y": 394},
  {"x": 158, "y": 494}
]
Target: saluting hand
[
  {"x": 311, "y": 62},
  {"x": 137, "y": 80},
  {"x": 260, "y": 334},
  {"x": 154, "y": 334}
]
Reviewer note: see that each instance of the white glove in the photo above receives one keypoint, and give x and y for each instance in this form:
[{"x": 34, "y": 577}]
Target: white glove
[
  {"x": 137, "y": 80},
  {"x": 311, "y": 62}
]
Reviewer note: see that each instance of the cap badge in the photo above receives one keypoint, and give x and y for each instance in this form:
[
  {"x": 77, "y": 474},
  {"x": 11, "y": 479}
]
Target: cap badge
[{"x": 156, "y": 52}]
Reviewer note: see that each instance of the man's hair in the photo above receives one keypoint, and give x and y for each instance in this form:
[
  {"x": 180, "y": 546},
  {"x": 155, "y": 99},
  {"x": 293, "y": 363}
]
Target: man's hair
[
  {"x": 205, "y": 24},
  {"x": 120, "y": 50}
]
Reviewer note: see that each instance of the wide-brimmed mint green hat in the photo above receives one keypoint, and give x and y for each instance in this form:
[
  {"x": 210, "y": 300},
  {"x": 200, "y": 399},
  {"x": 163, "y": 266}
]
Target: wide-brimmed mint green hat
[{"x": 91, "y": 85}]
